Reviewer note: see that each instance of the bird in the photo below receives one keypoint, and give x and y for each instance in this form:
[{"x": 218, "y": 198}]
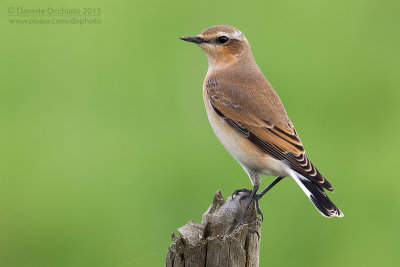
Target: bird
[{"x": 249, "y": 119}]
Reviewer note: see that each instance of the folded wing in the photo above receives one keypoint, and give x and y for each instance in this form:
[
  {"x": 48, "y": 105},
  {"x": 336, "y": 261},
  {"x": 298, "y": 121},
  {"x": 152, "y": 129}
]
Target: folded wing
[{"x": 262, "y": 119}]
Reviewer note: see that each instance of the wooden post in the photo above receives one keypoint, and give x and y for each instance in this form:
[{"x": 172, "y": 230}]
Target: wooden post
[{"x": 212, "y": 243}]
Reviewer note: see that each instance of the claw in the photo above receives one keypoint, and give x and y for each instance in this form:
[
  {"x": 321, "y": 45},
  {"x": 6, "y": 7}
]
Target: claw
[
  {"x": 250, "y": 194},
  {"x": 252, "y": 230},
  {"x": 236, "y": 192},
  {"x": 259, "y": 210},
  {"x": 253, "y": 196}
]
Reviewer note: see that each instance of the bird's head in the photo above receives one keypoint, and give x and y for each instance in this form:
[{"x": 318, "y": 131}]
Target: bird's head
[{"x": 223, "y": 45}]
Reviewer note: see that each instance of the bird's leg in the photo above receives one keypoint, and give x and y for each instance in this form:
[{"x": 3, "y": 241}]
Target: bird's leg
[
  {"x": 260, "y": 195},
  {"x": 251, "y": 197},
  {"x": 255, "y": 180}
]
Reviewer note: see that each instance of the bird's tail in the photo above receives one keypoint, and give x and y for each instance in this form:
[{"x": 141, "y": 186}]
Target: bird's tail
[{"x": 317, "y": 195}]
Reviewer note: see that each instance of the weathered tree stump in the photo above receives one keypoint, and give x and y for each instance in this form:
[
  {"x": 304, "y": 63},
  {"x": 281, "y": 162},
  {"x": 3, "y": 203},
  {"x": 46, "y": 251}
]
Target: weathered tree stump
[{"x": 213, "y": 242}]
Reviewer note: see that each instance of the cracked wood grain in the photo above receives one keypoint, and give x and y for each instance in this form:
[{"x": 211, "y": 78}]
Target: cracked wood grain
[{"x": 212, "y": 243}]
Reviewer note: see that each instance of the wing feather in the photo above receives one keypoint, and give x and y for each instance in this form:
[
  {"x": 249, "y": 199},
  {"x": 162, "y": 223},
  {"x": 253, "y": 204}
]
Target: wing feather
[{"x": 275, "y": 135}]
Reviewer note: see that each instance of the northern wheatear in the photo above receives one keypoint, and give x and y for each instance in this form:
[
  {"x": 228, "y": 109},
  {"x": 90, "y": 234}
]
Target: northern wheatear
[{"x": 249, "y": 119}]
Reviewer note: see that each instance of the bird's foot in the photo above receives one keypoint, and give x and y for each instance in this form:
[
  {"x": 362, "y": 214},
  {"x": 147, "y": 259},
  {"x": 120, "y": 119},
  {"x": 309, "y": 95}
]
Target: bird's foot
[
  {"x": 250, "y": 194},
  {"x": 256, "y": 199},
  {"x": 242, "y": 190},
  {"x": 247, "y": 195},
  {"x": 253, "y": 230},
  {"x": 253, "y": 196}
]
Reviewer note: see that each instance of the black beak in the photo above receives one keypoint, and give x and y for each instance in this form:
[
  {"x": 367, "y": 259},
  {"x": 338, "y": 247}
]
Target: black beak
[{"x": 193, "y": 39}]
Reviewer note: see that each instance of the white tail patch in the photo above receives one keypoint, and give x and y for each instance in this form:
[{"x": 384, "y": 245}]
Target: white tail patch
[
  {"x": 297, "y": 178},
  {"x": 317, "y": 196}
]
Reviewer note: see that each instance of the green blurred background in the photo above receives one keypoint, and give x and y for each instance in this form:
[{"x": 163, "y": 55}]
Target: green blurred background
[{"x": 105, "y": 147}]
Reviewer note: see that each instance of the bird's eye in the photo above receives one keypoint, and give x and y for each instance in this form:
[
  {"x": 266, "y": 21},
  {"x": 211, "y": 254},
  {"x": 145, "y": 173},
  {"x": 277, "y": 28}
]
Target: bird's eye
[{"x": 222, "y": 39}]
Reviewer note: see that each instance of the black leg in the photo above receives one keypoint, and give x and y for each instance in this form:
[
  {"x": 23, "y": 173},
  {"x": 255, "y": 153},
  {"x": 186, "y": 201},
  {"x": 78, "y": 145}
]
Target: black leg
[
  {"x": 260, "y": 195},
  {"x": 277, "y": 180},
  {"x": 251, "y": 197},
  {"x": 259, "y": 210}
]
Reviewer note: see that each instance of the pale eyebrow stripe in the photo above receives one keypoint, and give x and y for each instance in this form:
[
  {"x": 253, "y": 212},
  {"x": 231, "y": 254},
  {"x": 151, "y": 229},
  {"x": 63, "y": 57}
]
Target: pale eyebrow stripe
[{"x": 235, "y": 35}]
